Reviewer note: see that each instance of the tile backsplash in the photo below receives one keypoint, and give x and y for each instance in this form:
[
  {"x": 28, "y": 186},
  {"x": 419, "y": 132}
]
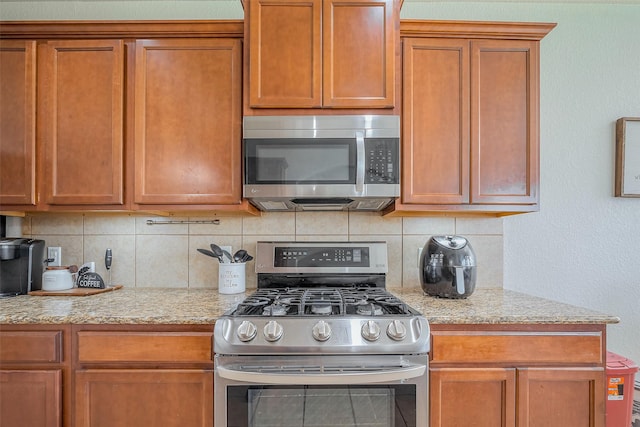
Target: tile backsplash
[{"x": 164, "y": 255}]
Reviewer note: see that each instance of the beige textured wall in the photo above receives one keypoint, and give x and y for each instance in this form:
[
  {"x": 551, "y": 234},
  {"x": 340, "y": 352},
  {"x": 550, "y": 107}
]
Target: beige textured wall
[{"x": 165, "y": 255}]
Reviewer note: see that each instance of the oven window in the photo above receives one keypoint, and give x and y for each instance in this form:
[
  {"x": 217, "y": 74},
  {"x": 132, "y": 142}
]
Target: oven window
[
  {"x": 321, "y": 406},
  {"x": 319, "y": 161}
]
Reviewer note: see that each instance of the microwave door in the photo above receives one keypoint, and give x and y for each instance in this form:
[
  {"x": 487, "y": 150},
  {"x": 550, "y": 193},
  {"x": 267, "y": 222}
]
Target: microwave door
[{"x": 310, "y": 162}]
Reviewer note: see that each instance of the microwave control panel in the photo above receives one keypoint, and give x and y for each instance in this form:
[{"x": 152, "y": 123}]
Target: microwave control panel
[{"x": 382, "y": 160}]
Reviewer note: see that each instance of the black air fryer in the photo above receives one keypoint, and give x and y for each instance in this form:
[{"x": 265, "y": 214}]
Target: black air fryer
[{"x": 448, "y": 267}]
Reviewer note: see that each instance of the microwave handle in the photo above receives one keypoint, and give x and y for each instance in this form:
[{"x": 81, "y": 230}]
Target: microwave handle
[
  {"x": 360, "y": 162},
  {"x": 384, "y": 376}
]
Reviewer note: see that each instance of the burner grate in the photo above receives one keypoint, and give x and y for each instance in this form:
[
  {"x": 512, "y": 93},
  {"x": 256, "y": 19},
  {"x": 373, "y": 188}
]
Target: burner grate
[{"x": 322, "y": 301}]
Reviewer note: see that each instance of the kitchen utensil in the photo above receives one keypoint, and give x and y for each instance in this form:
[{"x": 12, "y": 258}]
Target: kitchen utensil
[
  {"x": 59, "y": 278},
  {"x": 448, "y": 267},
  {"x": 207, "y": 252},
  {"x": 218, "y": 251},
  {"x": 239, "y": 255},
  {"x": 108, "y": 258}
]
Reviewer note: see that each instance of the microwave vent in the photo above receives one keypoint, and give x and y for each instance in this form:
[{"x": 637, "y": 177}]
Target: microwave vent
[{"x": 371, "y": 204}]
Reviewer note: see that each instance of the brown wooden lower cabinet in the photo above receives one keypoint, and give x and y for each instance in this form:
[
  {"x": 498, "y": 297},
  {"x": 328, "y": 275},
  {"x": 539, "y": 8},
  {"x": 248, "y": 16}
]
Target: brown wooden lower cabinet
[
  {"x": 146, "y": 375},
  {"x": 536, "y": 397},
  {"x": 472, "y": 397},
  {"x": 143, "y": 375},
  {"x": 540, "y": 376},
  {"x": 31, "y": 398},
  {"x": 34, "y": 373},
  {"x": 561, "y": 397},
  {"x": 143, "y": 397}
]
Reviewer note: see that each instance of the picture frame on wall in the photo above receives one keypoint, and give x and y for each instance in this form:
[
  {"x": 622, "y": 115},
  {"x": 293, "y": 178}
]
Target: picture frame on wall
[{"x": 628, "y": 157}]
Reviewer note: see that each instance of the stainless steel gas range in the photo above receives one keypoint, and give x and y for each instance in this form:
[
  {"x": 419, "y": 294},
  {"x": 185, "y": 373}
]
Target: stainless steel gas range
[{"x": 321, "y": 342}]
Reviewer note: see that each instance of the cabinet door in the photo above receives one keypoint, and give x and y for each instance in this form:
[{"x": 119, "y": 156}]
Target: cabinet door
[
  {"x": 133, "y": 398},
  {"x": 285, "y": 53},
  {"x": 504, "y": 122},
  {"x": 359, "y": 44},
  {"x": 561, "y": 397},
  {"x": 17, "y": 127},
  {"x": 435, "y": 150},
  {"x": 188, "y": 121},
  {"x": 30, "y": 398},
  {"x": 80, "y": 110},
  {"x": 472, "y": 397}
]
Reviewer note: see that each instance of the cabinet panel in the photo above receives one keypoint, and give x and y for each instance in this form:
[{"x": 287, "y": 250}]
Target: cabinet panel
[
  {"x": 127, "y": 347},
  {"x": 504, "y": 122},
  {"x": 30, "y": 398},
  {"x": 285, "y": 53},
  {"x": 17, "y": 127},
  {"x": 520, "y": 347},
  {"x": 561, "y": 397},
  {"x": 359, "y": 44},
  {"x": 133, "y": 398},
  {"x": 31, "y": 346},
  {"x": 81, "y": 121},
  {"x": 472, "y": 397},
  {"x": 321, "y": 53},
  {"x": 435, "y": 158},
  {"x": 188, "y": 121}
]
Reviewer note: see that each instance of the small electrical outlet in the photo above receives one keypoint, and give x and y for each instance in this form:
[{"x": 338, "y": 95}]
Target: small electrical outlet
[
  {"x": 228, "y": 249},
  {"x": 54, "y": 253},
  {"x": 419, "y": 256}
]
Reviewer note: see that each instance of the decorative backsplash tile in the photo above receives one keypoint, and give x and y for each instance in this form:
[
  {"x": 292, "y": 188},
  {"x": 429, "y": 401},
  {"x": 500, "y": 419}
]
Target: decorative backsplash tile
[{"x": 165, "y": 255}]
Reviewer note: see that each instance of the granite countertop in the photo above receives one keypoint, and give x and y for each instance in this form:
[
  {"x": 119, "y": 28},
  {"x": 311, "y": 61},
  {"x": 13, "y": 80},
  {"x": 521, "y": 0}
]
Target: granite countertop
[{"x": 204, "y": 306}]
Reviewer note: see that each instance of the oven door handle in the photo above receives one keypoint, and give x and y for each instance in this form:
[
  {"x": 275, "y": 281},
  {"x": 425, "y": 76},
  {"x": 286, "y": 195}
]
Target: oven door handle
[{"x": 342, "y": 378}]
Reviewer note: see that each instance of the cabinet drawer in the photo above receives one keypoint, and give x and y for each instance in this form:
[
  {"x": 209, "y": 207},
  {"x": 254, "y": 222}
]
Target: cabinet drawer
[
  {"x": 170, "y": 347},
  {"x": 518, "y": 347},
  {"x": 31, "y": 346}
]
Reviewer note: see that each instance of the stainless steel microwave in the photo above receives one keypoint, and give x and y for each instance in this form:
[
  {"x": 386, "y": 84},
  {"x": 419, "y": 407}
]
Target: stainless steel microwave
[{"x": 321, "y": 162}]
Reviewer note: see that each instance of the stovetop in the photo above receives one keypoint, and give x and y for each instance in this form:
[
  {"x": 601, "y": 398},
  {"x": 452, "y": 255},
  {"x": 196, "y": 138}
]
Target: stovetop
[
  {"x": 321, "y": 298},
  {"x": 321, "y": 320},
  {"x": 323, "y": 302}
]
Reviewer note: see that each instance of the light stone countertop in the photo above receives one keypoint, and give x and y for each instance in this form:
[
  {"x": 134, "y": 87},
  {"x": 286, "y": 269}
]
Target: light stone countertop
[{"x": 204, "y": 306}]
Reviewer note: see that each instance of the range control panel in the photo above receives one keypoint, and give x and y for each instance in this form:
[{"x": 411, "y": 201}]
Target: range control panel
[
  {"x": 368, "y": 257},
  {"x": 321, "y": 257}
]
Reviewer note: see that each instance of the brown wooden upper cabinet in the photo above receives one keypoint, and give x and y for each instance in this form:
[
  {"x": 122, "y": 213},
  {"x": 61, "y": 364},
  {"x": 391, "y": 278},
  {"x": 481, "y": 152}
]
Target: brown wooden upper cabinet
[
  {"x": 80, "y": 123},
  {"x": 470, "y": 124},
  {"x": 321, "y": 53},
  {"x": 18, "y": 123},
  {"x": 188, "y": 121}
]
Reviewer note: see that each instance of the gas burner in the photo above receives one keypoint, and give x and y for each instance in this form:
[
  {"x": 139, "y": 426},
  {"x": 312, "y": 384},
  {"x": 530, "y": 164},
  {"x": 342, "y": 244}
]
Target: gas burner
[
  {"x": 369, "y": 310},
  {"x": 275, "y": 309},
  {"x": 322, "y": 308}
]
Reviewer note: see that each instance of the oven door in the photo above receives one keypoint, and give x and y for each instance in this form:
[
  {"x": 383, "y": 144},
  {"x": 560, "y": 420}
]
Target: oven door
[{"x": 321, "y": 391}]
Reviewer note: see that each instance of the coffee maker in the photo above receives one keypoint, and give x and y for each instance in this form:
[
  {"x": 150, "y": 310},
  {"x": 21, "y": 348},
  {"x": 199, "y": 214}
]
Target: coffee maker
[
  {"x": 448, "y": 267},
  {"x": 21, "y": 265}
]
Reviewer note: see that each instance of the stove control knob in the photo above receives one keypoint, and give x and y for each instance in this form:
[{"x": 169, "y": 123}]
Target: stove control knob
[
  {"x": 247, "y": 331},
  {"x": 321, "y": 331},
  {"x": 396, "y": 330},
  {"x": 272, "y": 331},
  {"x": 370, "y": 331}
]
